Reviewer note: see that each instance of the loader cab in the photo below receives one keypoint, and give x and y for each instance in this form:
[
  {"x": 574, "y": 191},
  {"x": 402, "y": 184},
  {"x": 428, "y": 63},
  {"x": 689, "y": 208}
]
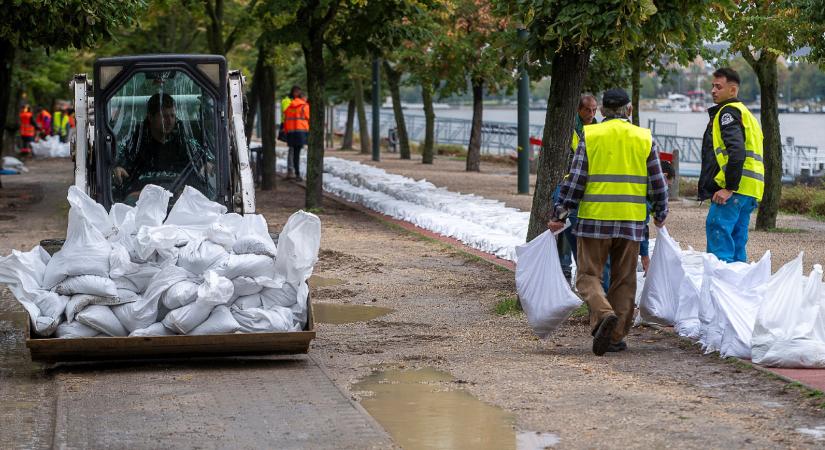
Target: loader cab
[{"x": 160, "y": 119}]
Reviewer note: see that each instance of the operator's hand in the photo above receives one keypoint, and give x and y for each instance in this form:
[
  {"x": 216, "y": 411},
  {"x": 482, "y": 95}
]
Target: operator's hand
[
  {"x": 721, "y": 196},
  {"x": 120, "y": 174},
  {"x": 658, "y": 223},
  {"x": 555, "y": 225},
  {"x": 645, "y": 263}
]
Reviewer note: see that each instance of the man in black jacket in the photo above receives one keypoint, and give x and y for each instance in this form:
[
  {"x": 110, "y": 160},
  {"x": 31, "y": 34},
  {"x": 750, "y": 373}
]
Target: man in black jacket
[{"x": 732, "y": 175}]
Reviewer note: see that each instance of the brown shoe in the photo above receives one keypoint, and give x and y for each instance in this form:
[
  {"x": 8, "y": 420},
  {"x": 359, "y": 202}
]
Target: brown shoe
[{"x": 601, "y": 339}]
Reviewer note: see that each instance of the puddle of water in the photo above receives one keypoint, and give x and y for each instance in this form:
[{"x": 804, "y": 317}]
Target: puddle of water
[
  {"x": 420, "y": 409},
  {"x": 533, "y": 440},
  {"x": 338, "y": 314},
  {"x": 319, "y": 282},
  {"x": 818, "y": 433}
]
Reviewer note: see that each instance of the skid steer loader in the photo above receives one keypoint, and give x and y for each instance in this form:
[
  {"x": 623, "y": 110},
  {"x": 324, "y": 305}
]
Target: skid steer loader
[{"x": 197, "y": 140}]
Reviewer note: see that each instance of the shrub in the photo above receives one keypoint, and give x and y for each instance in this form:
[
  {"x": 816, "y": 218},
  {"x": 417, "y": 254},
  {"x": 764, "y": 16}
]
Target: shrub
[{"x": 801, "y": 200}]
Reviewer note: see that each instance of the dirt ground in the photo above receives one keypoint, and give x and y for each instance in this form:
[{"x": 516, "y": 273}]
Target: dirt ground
[
  {"x": 660, "y": 393},
  {"x": 686, "y": 221}
]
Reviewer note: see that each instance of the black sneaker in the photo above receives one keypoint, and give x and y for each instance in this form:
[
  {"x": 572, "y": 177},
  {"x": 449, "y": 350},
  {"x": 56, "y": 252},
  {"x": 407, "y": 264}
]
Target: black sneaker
[
  {"x": 601, "y": 339},
  {"x": 617, "y": 347}
]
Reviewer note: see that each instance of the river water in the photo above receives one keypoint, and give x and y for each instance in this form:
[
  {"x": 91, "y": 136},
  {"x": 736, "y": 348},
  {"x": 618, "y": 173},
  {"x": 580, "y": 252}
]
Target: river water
[{"x": 806, "y": 129}]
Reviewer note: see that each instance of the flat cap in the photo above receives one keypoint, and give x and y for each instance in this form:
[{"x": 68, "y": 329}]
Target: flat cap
[{"x": 615, "y": 98}]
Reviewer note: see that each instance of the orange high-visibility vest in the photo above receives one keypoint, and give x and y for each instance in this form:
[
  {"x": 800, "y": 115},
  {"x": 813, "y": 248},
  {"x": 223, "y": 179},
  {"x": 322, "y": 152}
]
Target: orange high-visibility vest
[
  {"x": 296, "y": 117},
  {"x": 26, "y": 127}
]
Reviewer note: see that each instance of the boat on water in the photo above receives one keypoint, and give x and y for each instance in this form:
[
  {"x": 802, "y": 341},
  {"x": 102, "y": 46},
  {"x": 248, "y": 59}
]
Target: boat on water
[{"x": 675, "y": 103}]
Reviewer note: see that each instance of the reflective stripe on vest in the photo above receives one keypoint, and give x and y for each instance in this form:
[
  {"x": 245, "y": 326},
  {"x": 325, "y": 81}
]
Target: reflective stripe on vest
[
  {"x": 296, "y": 117},
  {"x": 617, "y": 181},
  {"x": 752, "y": 182}
]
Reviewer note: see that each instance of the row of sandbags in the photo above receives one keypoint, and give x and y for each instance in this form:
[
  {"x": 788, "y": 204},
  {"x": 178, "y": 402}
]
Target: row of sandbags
[
  {"x": 51, "y": 147},
  {"x": 137, "y": 271},
  {"x": 737, "y": 309}
]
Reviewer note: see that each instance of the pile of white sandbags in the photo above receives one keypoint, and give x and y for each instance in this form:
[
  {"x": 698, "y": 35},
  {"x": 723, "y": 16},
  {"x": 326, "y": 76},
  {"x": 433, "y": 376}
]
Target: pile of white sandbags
[
  {"x": 738, "y": 309},
  {"x": 51, "y": 147},
  {"x": 136, "y": 271},
  {"x": 13, "y": 165}
]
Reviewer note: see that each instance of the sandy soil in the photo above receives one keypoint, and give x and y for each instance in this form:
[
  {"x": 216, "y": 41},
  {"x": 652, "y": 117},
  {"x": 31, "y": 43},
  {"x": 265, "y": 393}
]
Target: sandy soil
[
  {"x": 686, "y": 221},
  {"x": 660, "y": 393}
]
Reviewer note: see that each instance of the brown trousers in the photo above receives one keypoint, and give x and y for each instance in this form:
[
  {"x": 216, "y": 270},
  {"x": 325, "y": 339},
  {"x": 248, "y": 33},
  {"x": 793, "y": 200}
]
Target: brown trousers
[{"x": 620, "y": 299}]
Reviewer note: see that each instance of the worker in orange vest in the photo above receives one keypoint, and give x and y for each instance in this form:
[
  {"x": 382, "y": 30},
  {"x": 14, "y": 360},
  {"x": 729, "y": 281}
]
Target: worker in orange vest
[
  {"x": 44, "y": 122},
  {"x": 28, "y": 129},
  {"x": 296, "y": 125}
]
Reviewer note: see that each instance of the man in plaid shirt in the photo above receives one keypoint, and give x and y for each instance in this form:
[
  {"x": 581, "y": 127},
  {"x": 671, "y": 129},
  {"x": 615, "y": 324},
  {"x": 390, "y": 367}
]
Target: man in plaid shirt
[{"x": 615, "y": 172}]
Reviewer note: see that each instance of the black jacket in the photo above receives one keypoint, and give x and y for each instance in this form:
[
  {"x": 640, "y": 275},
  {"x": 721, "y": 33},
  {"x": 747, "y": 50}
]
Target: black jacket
[{"x": 733, "y": 134}]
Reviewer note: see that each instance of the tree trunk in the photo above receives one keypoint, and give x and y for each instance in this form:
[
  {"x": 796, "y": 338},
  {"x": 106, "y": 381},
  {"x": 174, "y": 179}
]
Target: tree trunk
[
  {"x": 766, "y": 73},
  {"x": 363, "y": 127},
  {"x": 474, "y": 149},
  {"x": 429, "y": 123},
  {"x": 568, "y": 71},
  {"x": 636, "y": 84},
  {"x": 316, "y": 83},
  {"x": 252, "y": 100},
  {"x": 346, "y": 142},
  {"x": 266, "y": 89},
  {"x": 214, "y": 31},
  {"x": 394, "y": 80},
  {"x": 7, "y": 52}
]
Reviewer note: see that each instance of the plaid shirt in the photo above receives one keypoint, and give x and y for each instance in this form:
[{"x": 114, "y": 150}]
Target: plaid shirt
[{"x": 572, "y": 191}]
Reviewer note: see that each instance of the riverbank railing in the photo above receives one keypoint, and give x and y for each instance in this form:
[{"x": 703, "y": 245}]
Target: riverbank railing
[{"x": 500, "y": 139}]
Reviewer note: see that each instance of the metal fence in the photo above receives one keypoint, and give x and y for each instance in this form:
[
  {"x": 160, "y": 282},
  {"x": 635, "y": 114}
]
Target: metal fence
[
  {"x": 497, "y": 138},
  {"x": 500, "y": 138}
]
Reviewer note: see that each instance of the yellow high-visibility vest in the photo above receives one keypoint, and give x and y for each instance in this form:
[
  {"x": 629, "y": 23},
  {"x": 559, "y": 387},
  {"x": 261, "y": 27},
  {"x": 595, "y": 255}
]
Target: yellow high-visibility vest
[
  {"x": 616, "y": 188},
  {"x": 752, "y": 182}
]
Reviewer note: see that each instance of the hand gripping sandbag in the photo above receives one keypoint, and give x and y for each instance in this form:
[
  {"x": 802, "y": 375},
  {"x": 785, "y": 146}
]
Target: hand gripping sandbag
[
  {"x": 543, "y": 291},
  {"x": 85, "y": 252},
  {"x": 788, "y": 326},
  {"x": 298, "y": 246},
  {"x": 660, "y": 296}
]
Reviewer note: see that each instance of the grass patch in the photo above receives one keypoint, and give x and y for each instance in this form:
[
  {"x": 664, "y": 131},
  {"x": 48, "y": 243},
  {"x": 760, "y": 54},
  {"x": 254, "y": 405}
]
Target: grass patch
[
  {"x": 805, "y": 200},
  {"x": 507, "y": 307},
  {"x": 581, "y": 311},
  {"x": 316, "y": 210},
  {"x": 783, "y": 230}
]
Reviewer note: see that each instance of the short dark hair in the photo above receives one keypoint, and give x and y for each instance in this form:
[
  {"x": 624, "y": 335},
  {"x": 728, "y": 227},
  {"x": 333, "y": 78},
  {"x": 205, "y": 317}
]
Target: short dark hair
[
  {"x": 667, "y": 169},
  {"x": 293, "y": 89},
  {"x": 728, "y": 74},
  {"x": 158, "y": 101}
]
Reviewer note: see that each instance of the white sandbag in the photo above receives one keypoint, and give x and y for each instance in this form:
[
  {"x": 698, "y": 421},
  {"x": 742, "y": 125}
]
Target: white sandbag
[
  {"x": 50, "y": 147},
  {"x": 120, "y": 263},
  {"x": 298, "y": 246},
  {"x": 257, "y": 320},
  {"x": 85, "y": 252},
  {"x": 78, "y": 302},
  {"x": 659, "y": 302},
  {"x": 221, "y": 234},
  {"x": 246, "y": 265},
  {"x": 543, "y": 291},
  {"x": 186, "y": 318},
  {"x": 87, "y": 284},
  {"x": 198, "y": 257},
  {"x": 299, "y": 309},
  {"x": 51, "y": 304},
  {"x": 253, "y": 237},
  {"x": 12, "y": 163},
  {"x": 180, "y": 294},
  {"x": 788, "y": 326},
  {"x": 286, "y": 295},
  {"x": 156, "y": 329},
  {"x": 23, "y": 273},
  {"x": 216, "y": 290},
  {"x": 144, "y": 311},
  {"x": 121, "y": 216},
  {"x": 220, "y": 321},
  {"x": 94, "y": 213},
  {"x": 248, "y": 301},
  {"x": 193, "y": 209},
  {"x": 687, "y": 315},
  {"x": 161, "y": 239},
  {"x": 246, "y": 286},
  {"x": 102, "y": 319},
  {"x": 736, "y": 314},
  {"x": 139, "y": 280},
  {"x": 75, "y": 330},
  {"x": 151, "y": 206}
]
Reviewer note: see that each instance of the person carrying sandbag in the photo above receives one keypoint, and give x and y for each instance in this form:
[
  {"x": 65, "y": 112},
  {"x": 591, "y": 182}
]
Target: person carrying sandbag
[{"x": 615, "y": 171}]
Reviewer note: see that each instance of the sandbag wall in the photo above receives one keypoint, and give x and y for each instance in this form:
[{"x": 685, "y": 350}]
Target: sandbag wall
[{"x": 136, "y": 271}]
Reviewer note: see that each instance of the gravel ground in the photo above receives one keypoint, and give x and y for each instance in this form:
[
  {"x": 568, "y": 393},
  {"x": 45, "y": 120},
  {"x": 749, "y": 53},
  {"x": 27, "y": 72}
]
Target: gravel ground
[{"x": 686, "y": 221}]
